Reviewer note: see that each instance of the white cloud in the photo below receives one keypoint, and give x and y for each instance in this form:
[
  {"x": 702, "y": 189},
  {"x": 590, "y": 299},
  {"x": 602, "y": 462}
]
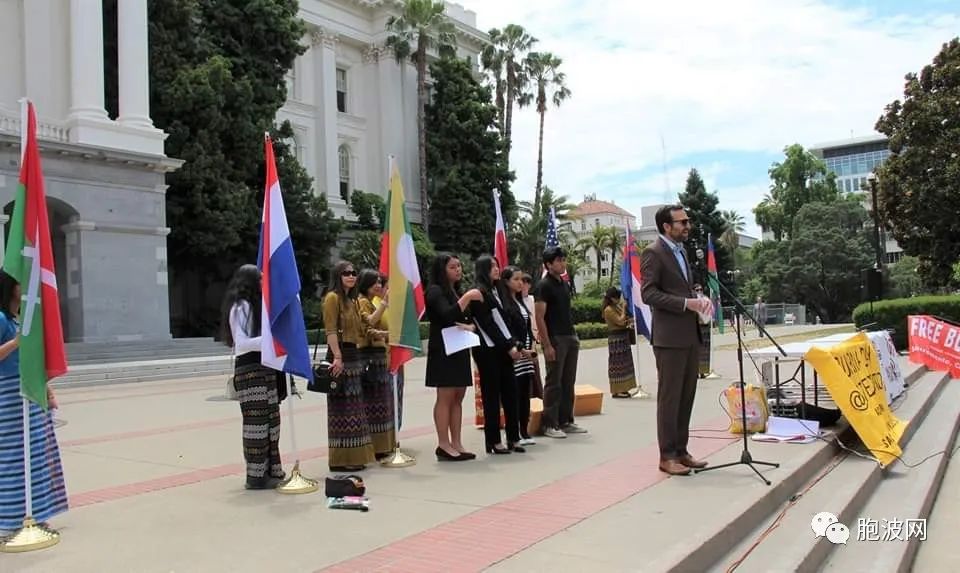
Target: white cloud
[{"x": 740, "y": 75}]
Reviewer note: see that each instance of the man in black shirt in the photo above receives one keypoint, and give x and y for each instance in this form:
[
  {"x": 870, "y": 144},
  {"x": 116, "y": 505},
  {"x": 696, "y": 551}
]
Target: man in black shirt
[{"x": 561, "y": 347}]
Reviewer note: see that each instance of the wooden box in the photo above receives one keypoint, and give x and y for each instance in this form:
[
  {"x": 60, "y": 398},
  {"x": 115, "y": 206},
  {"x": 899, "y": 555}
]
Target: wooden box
[
  {"x": 536, "y": 416},
  {"x": 588, "y": 400}
]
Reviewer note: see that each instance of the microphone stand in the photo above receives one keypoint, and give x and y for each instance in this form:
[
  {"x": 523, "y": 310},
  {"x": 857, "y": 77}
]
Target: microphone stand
[{"x": 745, "y": 458}]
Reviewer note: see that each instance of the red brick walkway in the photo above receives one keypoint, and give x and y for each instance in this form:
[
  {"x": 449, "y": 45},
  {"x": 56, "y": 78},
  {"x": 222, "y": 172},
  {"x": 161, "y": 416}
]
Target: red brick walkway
[{"x": 490, "y": 535}]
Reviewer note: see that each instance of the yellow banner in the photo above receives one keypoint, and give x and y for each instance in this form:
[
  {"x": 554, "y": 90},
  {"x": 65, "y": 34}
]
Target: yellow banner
[{"x": 851, "y": 372}]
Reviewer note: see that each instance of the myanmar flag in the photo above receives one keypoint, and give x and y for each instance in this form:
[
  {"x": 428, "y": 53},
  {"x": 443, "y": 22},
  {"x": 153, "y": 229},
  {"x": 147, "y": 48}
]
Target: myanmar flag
[
  {"x": 398, "y": 261},
  {"x": 29, "y": 259}
]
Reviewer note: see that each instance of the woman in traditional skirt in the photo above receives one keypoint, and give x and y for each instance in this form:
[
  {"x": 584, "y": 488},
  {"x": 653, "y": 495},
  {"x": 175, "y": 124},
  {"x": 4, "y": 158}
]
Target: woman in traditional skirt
[
  {"x": 258, "y": 387},
  {"x": 620, "y": 362},
  {"x": 350, "y": 444},
  {"x": 385, "y": 325},
  {"x": 377, "y": 386},
  {"x": 49, "y": 494}
]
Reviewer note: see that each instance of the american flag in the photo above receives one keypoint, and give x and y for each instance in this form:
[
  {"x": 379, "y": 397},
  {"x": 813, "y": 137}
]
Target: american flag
[{"x": 553, "y": 240}]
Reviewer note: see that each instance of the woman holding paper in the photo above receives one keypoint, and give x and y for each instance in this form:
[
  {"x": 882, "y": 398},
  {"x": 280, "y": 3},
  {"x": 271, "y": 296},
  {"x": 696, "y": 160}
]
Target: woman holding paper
[
  {"x": 495, "y": 360},
  {"x": 377, "y": 387},
  {"x": 449, "y": 374}
]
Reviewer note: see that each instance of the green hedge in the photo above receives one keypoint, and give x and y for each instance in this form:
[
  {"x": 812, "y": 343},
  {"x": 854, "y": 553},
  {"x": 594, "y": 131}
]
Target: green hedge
[
  {"x": 586, "y": 310},
  {"x": 590, "y": 330},
  {"x": 893, "y": 313}
]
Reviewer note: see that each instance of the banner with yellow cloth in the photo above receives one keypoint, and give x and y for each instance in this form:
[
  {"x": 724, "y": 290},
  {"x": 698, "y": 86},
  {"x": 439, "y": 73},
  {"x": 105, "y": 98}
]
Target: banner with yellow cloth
[{"x": 851, "y": 372}]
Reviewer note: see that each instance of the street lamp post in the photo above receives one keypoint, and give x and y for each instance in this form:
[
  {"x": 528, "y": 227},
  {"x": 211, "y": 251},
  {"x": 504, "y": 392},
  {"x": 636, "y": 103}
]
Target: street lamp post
[{"x": 875, "y": 207}]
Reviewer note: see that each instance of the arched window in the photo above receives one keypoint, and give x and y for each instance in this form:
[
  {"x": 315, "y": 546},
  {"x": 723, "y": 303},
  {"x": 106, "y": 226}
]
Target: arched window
[{"x": 344, "y": 156}]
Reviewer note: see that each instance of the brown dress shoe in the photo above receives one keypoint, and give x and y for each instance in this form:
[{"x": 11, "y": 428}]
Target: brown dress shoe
[
  {"x": 688, "y": 461},
  {"x": 674, "y": 468}
]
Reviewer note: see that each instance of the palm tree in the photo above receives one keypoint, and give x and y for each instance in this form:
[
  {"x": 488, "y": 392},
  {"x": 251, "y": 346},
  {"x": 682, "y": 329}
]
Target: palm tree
[
  {"x": 597, "y": 242},
  {"x": 422, "y": 22},
  {"x": 735, "y": 225},
  {"x": 542, "y": 68},
  {"x": 615, "y": 244},
  {"x": 503, "y": 60},
  {"x": 530, "y": 231},
  {"x": 492, "y": 60}
]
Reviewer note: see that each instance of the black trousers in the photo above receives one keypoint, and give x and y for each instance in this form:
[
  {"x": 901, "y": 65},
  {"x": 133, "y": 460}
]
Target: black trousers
[
  {"x": 558, "y": 390},
  {"x": 676, "y": 390},
  {"x": 499, "y": 387},
  {"x": 523, "y": 403}
]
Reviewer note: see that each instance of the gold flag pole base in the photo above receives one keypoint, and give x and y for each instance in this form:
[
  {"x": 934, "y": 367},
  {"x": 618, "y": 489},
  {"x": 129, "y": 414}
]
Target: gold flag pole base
[
  {"x": 398, "y": 459},
  {"x": 31, "y": 537},
  {"x": 296, "y": 483},
  {"x": 712, "y": 376}
]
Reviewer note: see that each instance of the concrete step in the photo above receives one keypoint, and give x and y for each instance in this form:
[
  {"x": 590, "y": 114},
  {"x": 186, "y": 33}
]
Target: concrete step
[
  {"x": 127, "y": 351},
  {"x": 904, "y": 493},
  {"x": 783, "y": 540},
  {"x": 941, "y": 552}
]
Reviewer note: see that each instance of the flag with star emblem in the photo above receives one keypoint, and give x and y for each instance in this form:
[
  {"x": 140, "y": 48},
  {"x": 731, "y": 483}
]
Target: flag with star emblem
[{"x": 29, "y": 260}]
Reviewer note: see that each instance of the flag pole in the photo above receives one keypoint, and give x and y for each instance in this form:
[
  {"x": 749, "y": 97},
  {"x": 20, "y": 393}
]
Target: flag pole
[
  {"x": 296, "y": 483},
  {"x": 31, "y": 536},
  {"x": 397, "y": 459}
]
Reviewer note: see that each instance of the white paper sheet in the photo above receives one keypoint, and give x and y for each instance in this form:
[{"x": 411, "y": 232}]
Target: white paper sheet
[{"x": 456, "y": 339}]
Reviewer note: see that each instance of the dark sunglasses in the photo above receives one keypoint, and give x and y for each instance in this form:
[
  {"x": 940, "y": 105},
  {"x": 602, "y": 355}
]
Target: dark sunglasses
[
  {"x": 683, "y": 222},
  {"x": 348, "y": 274}
]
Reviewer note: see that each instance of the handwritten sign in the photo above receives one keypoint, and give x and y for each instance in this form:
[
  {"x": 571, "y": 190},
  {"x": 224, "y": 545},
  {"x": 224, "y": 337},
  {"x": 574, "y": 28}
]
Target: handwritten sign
[
  {"x": 935, "y": 344},
  {"x": 851, "y": 372}
]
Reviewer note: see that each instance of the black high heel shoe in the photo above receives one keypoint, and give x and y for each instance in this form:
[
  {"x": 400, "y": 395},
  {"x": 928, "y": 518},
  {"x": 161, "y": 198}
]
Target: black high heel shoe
[
  {"x": 516, "y": 448},
  {"x": 498, "y": 449},
  {"x": 444, "y": 456}
]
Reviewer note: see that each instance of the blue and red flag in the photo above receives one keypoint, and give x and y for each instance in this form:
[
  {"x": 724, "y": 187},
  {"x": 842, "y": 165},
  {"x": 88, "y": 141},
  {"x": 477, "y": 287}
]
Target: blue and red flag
[
  {"x": 283, "y": 334},
  {"x": 630, "y": 283}
]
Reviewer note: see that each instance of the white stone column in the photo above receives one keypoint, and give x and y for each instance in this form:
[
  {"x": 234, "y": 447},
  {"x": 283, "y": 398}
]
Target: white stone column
[
  {"x": 391, "y": 117},
  {"x": 86, "y": 60},
  {"x": 134, "y": 63},
  {"x": 327, "y": 44}
]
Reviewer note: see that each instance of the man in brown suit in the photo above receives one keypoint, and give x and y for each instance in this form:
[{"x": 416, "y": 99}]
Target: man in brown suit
[{"x": 668, "y": 289}]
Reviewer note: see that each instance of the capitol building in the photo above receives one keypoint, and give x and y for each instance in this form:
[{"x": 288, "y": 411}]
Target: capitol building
[{"x": 350, "y": 102}]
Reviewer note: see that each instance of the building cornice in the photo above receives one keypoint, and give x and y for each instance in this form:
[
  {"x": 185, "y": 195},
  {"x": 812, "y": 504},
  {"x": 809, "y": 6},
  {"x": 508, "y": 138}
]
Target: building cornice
[{"x": 157, "y": 163}]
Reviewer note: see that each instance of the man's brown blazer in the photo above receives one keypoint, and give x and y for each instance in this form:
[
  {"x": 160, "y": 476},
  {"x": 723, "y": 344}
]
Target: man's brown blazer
[{"x": 665, "y": 290}]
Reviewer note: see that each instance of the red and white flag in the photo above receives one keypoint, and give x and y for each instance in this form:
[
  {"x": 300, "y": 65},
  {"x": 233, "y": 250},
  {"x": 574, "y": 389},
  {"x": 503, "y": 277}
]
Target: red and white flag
[{"x": 500, "y": 234}]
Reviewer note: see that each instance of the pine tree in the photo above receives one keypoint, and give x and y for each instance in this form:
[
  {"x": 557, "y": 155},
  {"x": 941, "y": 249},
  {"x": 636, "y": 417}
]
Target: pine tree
[
  {"x": 701, "y": 207},
  {"x": 466, "y": 161},
  {"x": 217, "y": 80}
]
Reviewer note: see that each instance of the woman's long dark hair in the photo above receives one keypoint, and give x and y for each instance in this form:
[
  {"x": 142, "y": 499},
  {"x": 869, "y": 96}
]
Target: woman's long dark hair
[
  {"x": 505, "y": 292},
  {"x": 7, "y": 285},
  {"x": 336, "y": 281},
  {"x": 368, "y": 278},
  {"x": 611, "y": 298},
  {"x": 438, "y": 273},
  {"x": 482, "y": 267},
  {"x": 245, "y": 285}
]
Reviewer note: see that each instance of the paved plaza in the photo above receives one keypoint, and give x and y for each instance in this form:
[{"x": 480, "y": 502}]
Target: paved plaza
[{"x": 155, "y": 476}]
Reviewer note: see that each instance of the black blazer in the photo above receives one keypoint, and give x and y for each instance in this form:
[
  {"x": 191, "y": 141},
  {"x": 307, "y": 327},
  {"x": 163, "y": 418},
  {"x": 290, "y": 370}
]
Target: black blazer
[
  {"x": 492, "y": 328},
  {"x": 442, "y": 311},
  {"x": 519, "y": 328}
]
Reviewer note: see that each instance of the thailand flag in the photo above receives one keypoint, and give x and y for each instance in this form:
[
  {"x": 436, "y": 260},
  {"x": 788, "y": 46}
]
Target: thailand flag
[
  {"x": 630, "y": 283},
  {"x": 500, "y": 234},
  {"x": 283, "y": 344}
]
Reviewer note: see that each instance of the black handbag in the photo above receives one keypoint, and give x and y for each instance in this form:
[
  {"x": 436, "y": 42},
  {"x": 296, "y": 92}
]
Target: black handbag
[
  {"x": 344, "y": 486},
  {"x": 324, "y": 381}
]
